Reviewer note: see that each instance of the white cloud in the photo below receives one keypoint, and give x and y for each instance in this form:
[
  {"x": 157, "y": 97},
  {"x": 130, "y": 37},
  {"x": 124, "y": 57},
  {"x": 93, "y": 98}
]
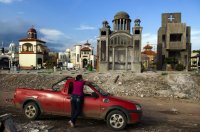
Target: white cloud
[
  {"x": 8, "y": 1},
  {"x": 92, "y": 41},
  {"x": 149, "y": 38},
  {"x": 55, "y": 39},
  {"x": 85, "y": 27},
  {"x": 195, "y": 32},
  {"x": 53, "y": 35},
  {"x": 195, "y": 39}
]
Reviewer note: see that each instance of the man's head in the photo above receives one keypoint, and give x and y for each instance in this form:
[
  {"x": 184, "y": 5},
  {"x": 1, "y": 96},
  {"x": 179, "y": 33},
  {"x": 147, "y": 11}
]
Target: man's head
[{"x": 79, "y": 77}]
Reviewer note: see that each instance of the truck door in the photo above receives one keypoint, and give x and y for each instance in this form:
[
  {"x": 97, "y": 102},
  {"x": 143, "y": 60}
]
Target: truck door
[{"x": 91, "y": 105}]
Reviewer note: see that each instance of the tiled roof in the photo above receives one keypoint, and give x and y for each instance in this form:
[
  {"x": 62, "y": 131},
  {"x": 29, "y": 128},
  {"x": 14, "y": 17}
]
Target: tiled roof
[
  {"x": 85, "y": 49},
  {"x": 31, "y": 39},
  {"x": 149, "y": 52},
  {"x": 147, "y": 47}
]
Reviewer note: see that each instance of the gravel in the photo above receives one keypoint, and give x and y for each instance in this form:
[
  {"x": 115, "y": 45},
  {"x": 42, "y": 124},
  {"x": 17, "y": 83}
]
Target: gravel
[{"x": 174, "y": 84}]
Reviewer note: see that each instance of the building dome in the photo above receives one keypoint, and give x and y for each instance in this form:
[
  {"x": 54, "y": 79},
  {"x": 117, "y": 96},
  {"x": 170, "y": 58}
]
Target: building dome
[
  {"x": 12, "y": 44},
  {"x": 121, "y": 15},
  {"x": 105, "y": 22},
  {"x": 147, "y": 47},
  {"x": 12, "y": 47},
  {"x": 137, "y": 22},
  {"x": 32, "y": 33},
  {"x": 32, "y": 30}
]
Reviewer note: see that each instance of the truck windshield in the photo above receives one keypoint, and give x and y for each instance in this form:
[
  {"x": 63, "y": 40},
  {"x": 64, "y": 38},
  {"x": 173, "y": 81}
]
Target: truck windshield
[{"x": 100, "y": 90}]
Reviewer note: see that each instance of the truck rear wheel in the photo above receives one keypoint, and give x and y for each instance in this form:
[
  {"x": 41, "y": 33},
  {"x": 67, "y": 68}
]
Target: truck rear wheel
[
  {"x": 31, "y": 110},
  {"x": 116, "y": 120}
]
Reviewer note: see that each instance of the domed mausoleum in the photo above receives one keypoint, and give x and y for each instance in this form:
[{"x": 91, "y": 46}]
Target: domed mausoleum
[{"x": 119, "y": 48}]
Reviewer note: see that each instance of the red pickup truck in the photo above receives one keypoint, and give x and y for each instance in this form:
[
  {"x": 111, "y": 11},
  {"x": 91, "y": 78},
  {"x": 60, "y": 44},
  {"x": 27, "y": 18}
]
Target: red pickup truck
[{"x": 98, "y": 104}]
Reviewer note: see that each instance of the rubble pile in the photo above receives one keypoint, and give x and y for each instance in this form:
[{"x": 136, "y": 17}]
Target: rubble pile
[
  {"x": 177, "y": 85},
  {"x": 34, "y": 126}
]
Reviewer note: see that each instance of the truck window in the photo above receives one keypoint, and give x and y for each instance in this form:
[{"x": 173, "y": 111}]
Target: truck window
[{"x": 87, "y": 90}]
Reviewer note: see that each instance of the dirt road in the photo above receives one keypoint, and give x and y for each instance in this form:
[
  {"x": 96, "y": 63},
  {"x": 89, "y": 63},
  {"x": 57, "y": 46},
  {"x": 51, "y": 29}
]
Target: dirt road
[{"x": 160, "y": 115}]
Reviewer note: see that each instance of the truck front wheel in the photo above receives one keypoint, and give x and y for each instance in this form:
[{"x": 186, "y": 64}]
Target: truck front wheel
[
  {"x": 116, "y": 120},
  {"x": 31, "y": 110}
]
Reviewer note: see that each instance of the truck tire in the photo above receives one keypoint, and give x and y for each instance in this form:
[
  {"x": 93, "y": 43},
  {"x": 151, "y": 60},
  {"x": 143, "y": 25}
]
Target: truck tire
[
  {"x": 31, "y": 111},
  {"x": 116, "y": 120}
]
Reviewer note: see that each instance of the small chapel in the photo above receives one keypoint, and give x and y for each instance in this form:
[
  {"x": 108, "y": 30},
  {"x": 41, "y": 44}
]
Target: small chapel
[{"x": 32, "y": 51}]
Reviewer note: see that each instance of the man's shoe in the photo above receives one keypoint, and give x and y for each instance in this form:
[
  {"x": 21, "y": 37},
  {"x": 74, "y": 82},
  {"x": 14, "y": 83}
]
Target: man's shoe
[{"x": 71, "y": 123}]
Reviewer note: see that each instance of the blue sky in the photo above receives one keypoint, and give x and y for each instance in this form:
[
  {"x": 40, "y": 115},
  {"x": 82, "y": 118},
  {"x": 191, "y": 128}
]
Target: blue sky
[{"x": 64, "y": 23}]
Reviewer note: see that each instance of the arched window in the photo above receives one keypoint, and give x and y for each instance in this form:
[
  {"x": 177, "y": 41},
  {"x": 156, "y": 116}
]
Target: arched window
[
  {"x": 27, "y": 47},
  {"x": 103, "y": 33}
]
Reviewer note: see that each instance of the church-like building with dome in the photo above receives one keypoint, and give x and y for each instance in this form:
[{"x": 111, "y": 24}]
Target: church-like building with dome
[
  {"x": 32, "y": 51},
  {"x": 119, "y": 48}
]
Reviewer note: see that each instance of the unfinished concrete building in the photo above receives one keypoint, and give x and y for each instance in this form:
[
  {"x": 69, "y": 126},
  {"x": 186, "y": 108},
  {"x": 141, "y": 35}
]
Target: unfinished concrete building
[
  {"x": 173, "y": 41},
  {"x": 119, "y": 49}
]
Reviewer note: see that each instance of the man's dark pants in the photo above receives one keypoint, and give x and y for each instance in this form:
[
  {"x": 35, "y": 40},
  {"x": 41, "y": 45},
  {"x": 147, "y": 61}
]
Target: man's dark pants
[{"x": 76, "y": 107}]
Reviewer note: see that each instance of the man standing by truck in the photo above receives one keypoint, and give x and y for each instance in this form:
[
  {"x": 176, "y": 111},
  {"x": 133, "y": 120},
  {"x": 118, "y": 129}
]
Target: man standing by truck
[{"x": 76, "y": 99}]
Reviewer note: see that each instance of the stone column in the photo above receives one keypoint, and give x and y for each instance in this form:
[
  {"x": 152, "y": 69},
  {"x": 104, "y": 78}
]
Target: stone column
[
  {"x": 126, "y": 59},
  {"x": 117, "y": 25},
  {"x": 123, "y": 24},
  {"x": 100, "y": 51},
  {"x": 120, "y": 26},
  {"x": 114, "y": 25},
  {"x": 113, "y": 58},
  {"x": 127, "y": 24}
]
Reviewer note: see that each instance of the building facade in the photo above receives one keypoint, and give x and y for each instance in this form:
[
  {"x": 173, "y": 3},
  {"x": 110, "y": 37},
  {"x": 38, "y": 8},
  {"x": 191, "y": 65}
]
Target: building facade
[
  {"x": 82, "y": 55},
  {"x": 119, "y": 49},
  {"x": 63, "y": 58},
  {"x": 195, "y": 60},
  {"x": 32, "y": 51},
  {"x": 173, "y": 41}
]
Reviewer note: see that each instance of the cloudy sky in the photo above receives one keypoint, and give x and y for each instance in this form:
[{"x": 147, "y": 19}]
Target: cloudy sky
[{"x": 64, "y": 23}]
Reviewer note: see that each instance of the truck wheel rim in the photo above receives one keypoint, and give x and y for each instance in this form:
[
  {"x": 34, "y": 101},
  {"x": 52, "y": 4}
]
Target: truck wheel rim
[
  {"x": 116, "y": 121},
  {"x": 30, "y": 111}
]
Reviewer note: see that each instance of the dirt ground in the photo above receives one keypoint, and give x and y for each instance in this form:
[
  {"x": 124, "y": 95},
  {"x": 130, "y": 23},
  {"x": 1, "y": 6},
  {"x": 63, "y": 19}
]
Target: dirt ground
[
  {"x": 161, "y": 112},
  {"x": 160, "y": 115}
]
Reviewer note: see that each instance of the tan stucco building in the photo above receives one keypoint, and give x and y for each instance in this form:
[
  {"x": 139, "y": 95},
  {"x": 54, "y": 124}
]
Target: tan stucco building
[
  {"x": 82, "y": 55},
  {"x": 119, "y": 49},
  {"x": 173, "y": 41}
]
